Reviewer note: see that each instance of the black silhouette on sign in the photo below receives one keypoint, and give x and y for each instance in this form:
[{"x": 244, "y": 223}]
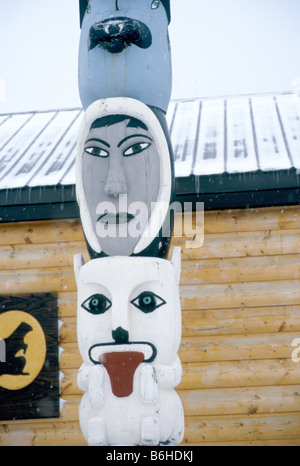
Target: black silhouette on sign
[{"x": 14, "y": 364}]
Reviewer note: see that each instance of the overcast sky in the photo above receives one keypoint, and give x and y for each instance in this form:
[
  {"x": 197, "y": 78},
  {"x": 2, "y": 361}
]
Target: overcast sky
[{"x": 219, "y": 47}]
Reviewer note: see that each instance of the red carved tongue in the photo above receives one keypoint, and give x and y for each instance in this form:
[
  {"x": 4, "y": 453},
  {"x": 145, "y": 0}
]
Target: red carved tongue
[{"x": 121, "y": 367}]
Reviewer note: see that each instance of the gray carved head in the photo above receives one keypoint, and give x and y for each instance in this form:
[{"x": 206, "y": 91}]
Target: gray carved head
[
  {"x": 124, "y": 50},
  {"x": 124, "y": 179}
]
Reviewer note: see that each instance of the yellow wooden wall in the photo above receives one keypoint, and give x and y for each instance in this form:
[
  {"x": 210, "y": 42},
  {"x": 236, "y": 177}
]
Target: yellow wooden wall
[{"x": 240, "y": 297}]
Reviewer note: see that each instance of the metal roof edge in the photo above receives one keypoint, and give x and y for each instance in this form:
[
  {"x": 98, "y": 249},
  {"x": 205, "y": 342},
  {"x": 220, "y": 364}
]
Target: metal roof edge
[{"x": 238, "y": 182}]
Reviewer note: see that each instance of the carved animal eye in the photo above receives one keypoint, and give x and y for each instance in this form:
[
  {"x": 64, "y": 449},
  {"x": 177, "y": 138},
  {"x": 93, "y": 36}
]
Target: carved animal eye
[
  {"x": 148, "y": 302},
  {"x": 136, "y": 148},
  {"x": 97, "y": 304},
  {"x": 96, "y": 151},
  {"x": 155, "y": 4}
]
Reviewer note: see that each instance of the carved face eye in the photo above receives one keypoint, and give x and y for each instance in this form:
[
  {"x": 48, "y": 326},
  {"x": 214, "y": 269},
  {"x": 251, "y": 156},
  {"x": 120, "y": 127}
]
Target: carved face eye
[
  {"x": 97, "y": 304},
  {"x": 136, "y": 148},
  {"x": 96, "y": 151},
  {"x": 155, "y": 4},
  {"x": 148, "y": 302}
]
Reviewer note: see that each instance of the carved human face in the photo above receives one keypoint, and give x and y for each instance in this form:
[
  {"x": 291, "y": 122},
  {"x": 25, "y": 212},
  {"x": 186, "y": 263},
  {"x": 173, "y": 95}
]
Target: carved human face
[
  {"x": 123, "y": 179},
  {"x": 128, "y": 304},
  {"x": 120, "y": 168}
]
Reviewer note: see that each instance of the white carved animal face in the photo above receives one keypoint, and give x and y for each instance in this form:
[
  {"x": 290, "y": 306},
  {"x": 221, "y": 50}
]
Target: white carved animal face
[{"x": 128, "y": 304}]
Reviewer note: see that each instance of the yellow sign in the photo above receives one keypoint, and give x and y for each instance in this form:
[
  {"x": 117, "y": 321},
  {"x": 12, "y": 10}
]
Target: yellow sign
[{"x": 25, "y": 348}]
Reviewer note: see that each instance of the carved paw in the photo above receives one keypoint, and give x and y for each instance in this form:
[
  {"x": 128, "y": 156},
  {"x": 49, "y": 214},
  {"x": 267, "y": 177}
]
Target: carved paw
[
  {"x": 150, "y": 431},
  {"x": 149, "y": 385},
  {"x": 96, "y": 385},
  {"x": 96, "y": 432}
]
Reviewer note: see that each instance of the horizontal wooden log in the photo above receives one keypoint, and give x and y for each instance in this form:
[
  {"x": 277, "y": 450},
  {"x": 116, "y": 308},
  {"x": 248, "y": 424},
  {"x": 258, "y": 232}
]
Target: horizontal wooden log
[
  {"x": 241, "y": 428},
  {"x": 235, "y": 295},
  {"x": 241, "y": 320},
  {"x": 234, "y": 220},
  {"x": 45, "y": 433},
  {"x": 269, "y": 218},
  {"x": 242, "y": 244},
  {"x": 239, "y": 220},
  {"x": 37, "y": 280},
  {"x": 216, "y": 430},
  {"x": 240, "y": 373},
  {"x": 59, "y": 435},
  {"x": 210, "y": 262},
  {"x": 30, "y": 256},
  {"x": 243, "y": 401},
  {"x": 38, "y": 232},
  {"x": 241, "y": 269},
  {"x": 250, "y": 443},
  {"x": 237, "y": 347},
  {"x": 19, "y": 435}
]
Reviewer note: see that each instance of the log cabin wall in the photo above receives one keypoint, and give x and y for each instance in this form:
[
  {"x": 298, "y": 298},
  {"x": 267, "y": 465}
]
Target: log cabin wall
[{"x": 240, "y": 297}]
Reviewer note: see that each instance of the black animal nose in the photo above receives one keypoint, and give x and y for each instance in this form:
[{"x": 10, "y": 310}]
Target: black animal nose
[
  {"x": 120, "y": 335},
  {"x": 114, "y": 29},
  {"x": 116, "y": 34}
]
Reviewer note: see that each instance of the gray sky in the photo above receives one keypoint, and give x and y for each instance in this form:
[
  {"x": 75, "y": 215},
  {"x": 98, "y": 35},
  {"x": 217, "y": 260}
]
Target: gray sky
[{"x": 219, "y": 47}]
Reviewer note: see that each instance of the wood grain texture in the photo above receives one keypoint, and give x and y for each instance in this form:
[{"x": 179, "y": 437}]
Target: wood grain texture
[{"x": 240, "y": 296}]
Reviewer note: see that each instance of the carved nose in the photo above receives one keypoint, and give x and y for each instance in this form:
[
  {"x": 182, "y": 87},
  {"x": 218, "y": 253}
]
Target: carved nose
[
  {"x": 114, "y": 29},
  {"x": 116, "y": 34},
  {"x": 116, "y": 180},
  {"x": 120, "y": 335},
  {"x": 115, "y": 189}
]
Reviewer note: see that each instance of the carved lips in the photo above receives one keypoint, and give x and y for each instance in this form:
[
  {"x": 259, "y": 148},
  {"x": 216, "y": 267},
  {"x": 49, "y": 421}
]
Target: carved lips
[
  {"x": 116, "y": 34},
  {"x": 147, "y": 349},
  {"x": 115, "y": 219}
]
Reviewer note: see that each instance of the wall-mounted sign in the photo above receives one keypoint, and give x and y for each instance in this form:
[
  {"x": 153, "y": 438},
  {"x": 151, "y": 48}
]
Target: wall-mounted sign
[{"x": 29, "y": 383}]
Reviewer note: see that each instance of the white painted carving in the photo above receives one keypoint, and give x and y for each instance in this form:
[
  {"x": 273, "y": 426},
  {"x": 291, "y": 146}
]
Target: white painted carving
[{"x": 129, "y": 332}]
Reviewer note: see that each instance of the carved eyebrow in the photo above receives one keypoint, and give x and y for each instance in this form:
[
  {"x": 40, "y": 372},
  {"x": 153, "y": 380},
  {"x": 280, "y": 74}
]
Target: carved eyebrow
[
  {"x": 134, "y": 136},
  {"x": 98, "y": 140}
]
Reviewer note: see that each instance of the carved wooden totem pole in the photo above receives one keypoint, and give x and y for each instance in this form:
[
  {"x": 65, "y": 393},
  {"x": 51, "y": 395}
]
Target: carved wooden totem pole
[{"x": 129, "y": 316}]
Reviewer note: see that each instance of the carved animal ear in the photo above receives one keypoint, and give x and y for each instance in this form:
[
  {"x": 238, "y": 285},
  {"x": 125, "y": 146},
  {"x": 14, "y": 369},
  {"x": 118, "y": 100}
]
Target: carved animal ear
[
  {"x": 176, "y": 262},
  {"x": 78, "y": 262}
]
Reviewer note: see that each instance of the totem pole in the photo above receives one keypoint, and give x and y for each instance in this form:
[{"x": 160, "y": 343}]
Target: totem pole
[{"x": 129, "y": 316}]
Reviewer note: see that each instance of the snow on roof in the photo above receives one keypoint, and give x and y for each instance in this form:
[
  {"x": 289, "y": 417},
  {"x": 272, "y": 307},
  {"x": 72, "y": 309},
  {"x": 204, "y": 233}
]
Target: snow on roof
[
  {"x": 235, "y": 134},
  {"x": 210, "y": 136}
]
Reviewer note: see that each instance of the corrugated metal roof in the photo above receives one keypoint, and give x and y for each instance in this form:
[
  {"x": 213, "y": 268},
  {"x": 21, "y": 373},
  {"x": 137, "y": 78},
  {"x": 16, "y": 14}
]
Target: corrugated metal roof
[
  {"x": 38, "y": 149},
  {"x": 210, "y": 137},
  {"x": 236, "y": 134}
]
